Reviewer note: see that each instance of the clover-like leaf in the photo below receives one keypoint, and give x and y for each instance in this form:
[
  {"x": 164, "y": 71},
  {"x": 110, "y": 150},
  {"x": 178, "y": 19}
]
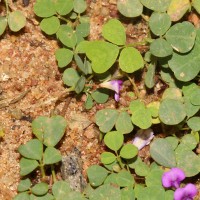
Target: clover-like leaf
[
  {"x": 149, "y": 78},
  {"x": 114, "y": 140},
  {"x": 16, "y": 20},
  {"x": 51, "y": 156},
  {"x": 102, "y": 54},
  {"x": 159, "y": 23},
  {"x": 3, "y": 24},
  {"x": 49, "y": 130},
  {"x": 181, "y": 36},
  {"x": 63, "y": 7},
  {"x": 63, "y": 56},
  {"x": 80, "y": 6},
  {"x": 162, "y": 152},
  {"x": 130, "y": 8},
  {"x": 177, "y": 9},
  {"x": 40, "y": 189},
  {"x": 160, "y": 48},
  {"x": 194, "y": 123},
  {"x": 125, "y": 179},
  {"x": 44, "y": 8},
  {"x": 107, "y": 157},
  {"x": 24, "y": 185},
  {"x": 128, "y": 151},
  {"x": 114, "y": 32},
  {"x": 96, "y": 175},
  {"x": 70, "y": 77},
  {"x": 27, "y": 166},
  {"x": 160, "y": 6},
  {"x": 106, "y": 119},
  {"x": 171, "y": 111},
  {"x": 50, "y": 25},
  {"x": 22, "y": 196},
  {"x": 130, "y": 60},
  {"x": 33, "y": 149},
  {"x": 61, "y": 189}
]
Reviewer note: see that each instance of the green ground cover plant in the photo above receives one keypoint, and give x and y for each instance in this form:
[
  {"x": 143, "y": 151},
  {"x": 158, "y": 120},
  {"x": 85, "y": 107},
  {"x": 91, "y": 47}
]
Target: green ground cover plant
[{"x": 96, "y": 67}]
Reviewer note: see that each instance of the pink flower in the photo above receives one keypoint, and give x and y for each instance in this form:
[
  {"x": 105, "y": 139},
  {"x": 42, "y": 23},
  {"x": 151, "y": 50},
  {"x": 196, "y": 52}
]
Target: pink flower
[
  {"x": 173, "y": 178},
  {"x": 114, "y": 85},
  {"x": 185, "y": 193},
  {"x": 143, "y": 138}
]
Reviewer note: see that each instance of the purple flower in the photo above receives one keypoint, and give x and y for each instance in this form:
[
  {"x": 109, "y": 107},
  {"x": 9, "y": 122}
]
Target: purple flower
[
  {"x": 143, "y": 138},
  {"x": 115, "y": 85},
  {"x": 185, "y": 193},
  {"x": 172, "y": 178}
]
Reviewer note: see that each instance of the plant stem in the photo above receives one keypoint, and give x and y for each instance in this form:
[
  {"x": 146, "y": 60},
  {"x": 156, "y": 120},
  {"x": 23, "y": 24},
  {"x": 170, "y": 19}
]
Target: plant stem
[
  {"x": 7, "y": 8},
  {"x": 134, "y": 85},
  {"x": 119, "y": 160},
  {"x": 42, "y": 170},
  {"x": 64, "y": 19},
  {"x": 53, "y": 173}
]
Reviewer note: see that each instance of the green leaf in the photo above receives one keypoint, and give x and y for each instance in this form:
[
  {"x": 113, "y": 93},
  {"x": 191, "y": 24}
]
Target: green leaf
[
  {"x": 160, "y": 6},
  {"x": 159, "y": 23},
  {"x": 128, "y": 151},
  {"x": 185, "y": 66},
  {"x": 111, "y": 179},
  {"x": 49, "y": 130},
  {"x": 160, "y": 48},
  {"x": 33, "y": 149},
  {"x": 195, "y": 97},
  {"x": 27, "y": 166},
  {"x": 123, "y": 123},
  {"x": 125, "y": 179},
  {"x": 24, "y": 185},
  {"x": 44, "y": 197},
  {"x": 153, "y": 107},
  {"x": 44, "y": 8},
  {"x": 70, "y": 77},
  {"x": 16, "y": 20},
  {"x": 162, "y": 152},
  {"x": 67, "y": 36},
  {"x": 181, "y": 36},
  {"x": 51, "y": 156},
  {"x": 173, "y": 141},
  {"x": 171, "y": 112},
  {"x": 130, "y": 60},
  {"x": 3, "y": 24},
  {"x": 63, "y": 56},
  {"x": 50, "y": 25},
  {"x": 83, "y": 29},
  {"x": 80, "y": 85},
  {"x": 102, "y": 54},
  {"x": 114, "y": 32},
  {"x": 130, "y": 8},
  {"x": 89, "y": 102},
  {"x": 194, "y": 123},
  {"x": 106, "y": 119},
  {"x": 141, "y": 116},
  {"x": 80, "y": 6},
  {"x": 40, "y": 189},
  {"x": 154, "y": 178},
  {"x": 188, "y": 161},
  {"x": 100, "y": 95},
  {"x": 196, "y": 5},
  {"x": 80, "y": 64},
  {"x": 114, "y": 140},
  {"x": 60, "y": 189},
  {"x": 190, "y": 141},
  {"x": 106, "y": 192},
  {"x": 63, "y": 7},
  {"x": 107, "y": 157},
  {"x": 178, "y": 8},
  {"x": 149, "y": 78},
  {"x": 173, "y": 93},
  {"x": 22, "y": 196},
  {"x": 142, "y": 169},
  {"x": 127, "y": 193},
  {"x": 96, "y": 175}
]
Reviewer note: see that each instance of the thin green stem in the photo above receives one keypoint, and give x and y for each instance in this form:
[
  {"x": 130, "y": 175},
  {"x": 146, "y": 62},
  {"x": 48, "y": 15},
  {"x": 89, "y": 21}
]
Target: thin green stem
[
  {"x": 53, "y": 173},
  {"x": 64, "y": 19},
  {"x": 42, "y": 170},
  {"x": 7, "y": 8},
  {"x": 134, "y": 85},
  {"x": 120, "y": 161}
]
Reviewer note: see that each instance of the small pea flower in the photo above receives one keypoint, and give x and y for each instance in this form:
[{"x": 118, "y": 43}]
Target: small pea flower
[
  {"x": 173, "y": 178},
  {"x": 185, "y": 193},
  {"x": 143, "y": 138},
  {"x": 114, "y": 85}
]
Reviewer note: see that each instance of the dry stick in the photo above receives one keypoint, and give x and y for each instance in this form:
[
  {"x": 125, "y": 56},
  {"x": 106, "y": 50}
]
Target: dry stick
[{"x": 7, "y": 102}]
